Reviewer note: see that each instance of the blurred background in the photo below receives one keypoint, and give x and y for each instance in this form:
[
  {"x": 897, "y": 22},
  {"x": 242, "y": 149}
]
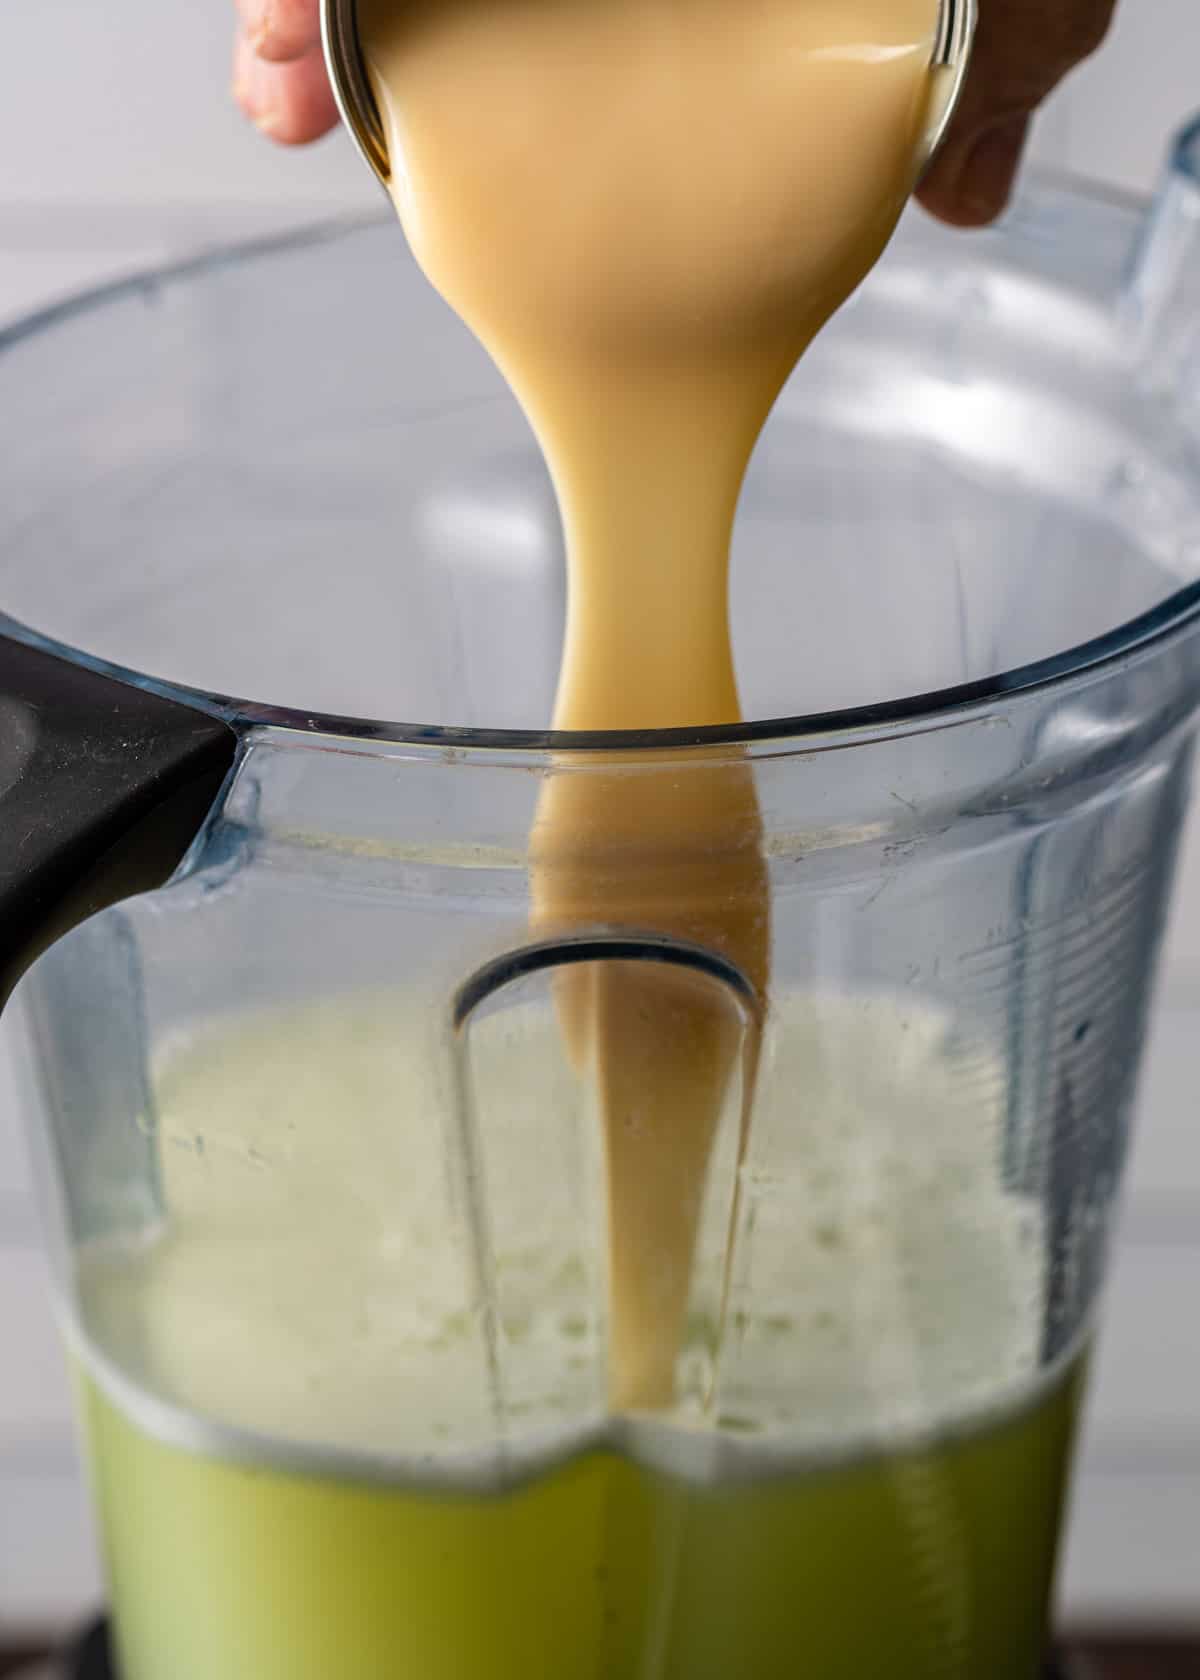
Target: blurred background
[{"x": 120, "y": 148}]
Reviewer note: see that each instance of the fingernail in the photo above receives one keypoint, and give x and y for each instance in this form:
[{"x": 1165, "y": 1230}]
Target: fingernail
[
  {"x": 268, "y": 121},
  {"x": 258, "y": 28},
  {"x": 986, "y": 182}
]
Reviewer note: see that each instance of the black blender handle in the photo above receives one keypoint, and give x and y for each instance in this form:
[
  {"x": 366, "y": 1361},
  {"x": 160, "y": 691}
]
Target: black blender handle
[{"x": 103, "y": 788}]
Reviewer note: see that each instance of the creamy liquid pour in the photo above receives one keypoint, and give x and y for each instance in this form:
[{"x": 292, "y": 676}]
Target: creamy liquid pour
[{"x": 646, "y": 209}]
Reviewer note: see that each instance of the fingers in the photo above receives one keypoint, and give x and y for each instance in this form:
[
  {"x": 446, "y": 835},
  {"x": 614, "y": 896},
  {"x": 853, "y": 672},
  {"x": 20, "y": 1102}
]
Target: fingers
[
  {"x": 972, "y": 177},
  {"x": 1023, "y": 49},
  {"x": 290, "y": 100},
  {"x": 281, "y": 30}
]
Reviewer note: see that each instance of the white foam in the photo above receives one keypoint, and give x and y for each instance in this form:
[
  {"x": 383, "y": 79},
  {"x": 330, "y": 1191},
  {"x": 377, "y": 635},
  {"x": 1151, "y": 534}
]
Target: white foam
[{"x": 309, "y": 1298}]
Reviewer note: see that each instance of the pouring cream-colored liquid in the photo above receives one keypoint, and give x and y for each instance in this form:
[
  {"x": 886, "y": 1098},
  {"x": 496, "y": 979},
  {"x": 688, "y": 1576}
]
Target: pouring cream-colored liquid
[{"x": 646, "y": 209}]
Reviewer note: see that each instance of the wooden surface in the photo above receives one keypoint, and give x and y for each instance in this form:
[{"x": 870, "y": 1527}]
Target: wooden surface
[
  {"x": 1098, "y": 1659},
  {"x": 1138, "y": 1660}
]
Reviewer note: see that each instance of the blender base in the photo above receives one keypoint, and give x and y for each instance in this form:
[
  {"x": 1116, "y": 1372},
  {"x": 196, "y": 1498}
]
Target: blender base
[{"x": 90, "y": 1659}]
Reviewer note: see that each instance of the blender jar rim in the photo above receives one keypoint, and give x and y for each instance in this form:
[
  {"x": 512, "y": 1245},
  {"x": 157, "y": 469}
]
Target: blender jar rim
[{"x": 1131, "y": 641}]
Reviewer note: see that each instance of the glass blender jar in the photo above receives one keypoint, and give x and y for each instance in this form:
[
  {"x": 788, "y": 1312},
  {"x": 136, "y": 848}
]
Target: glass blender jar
[{"x": 325, "y": 1192}]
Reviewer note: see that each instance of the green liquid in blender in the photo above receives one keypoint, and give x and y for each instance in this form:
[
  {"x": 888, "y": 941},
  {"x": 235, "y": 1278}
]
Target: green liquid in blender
[
  {"x": 918, "y": 1565},
  {"x": 306, "y": 1467}
]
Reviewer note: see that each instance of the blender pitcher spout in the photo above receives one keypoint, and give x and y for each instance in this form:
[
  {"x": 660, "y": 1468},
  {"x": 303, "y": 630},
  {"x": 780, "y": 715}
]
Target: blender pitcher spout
[{"x": 103, "y": 787}]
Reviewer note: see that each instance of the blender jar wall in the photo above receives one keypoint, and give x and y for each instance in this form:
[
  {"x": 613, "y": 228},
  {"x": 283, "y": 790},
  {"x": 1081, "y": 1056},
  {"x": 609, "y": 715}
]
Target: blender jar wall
[
  {"x": 965, "y": 919},
  {"x": 298, "y": 1271},
  {"x": 270, "y": 1223}
]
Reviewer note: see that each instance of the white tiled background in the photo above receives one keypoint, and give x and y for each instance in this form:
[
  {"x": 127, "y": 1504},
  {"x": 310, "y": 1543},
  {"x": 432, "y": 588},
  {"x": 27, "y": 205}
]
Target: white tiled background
[{"x": 118, "y": 147}]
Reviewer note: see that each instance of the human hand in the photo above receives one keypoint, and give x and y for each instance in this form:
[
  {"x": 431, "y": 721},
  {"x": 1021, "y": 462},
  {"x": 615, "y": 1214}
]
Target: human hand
[
  {"x": 1023, "y": 49},
  {"x": 279, "y": 77}
]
